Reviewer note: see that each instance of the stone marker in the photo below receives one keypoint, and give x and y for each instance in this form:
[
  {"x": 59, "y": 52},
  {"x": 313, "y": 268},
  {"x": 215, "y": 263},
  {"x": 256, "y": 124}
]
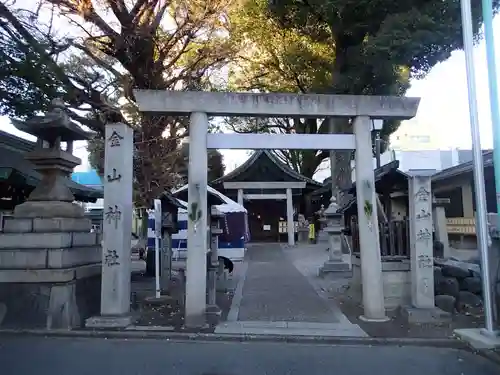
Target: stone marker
[
  {"x": 423, "y": 307},
  {"x": 117, "y": 224}
]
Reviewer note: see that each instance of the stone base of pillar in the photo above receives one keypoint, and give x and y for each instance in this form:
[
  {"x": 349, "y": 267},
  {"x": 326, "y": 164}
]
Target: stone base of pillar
[
  {"x": 303, "y": 235},
  {"x": 333, "y": 266},
  {"x": 50, "y": 272},
  {"x": 213, "y": 314},
  {"x": 103, "y": 322},
  {"x": 48, "y": 305},
  {"x": 416, "y": 315},
  {"x": 374, "y": 320}
]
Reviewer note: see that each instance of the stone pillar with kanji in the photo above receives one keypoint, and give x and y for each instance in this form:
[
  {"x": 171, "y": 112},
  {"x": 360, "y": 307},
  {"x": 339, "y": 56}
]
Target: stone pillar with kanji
[
  {"x": 117, "y": 224},
  {"x": 422, "y": 309}
]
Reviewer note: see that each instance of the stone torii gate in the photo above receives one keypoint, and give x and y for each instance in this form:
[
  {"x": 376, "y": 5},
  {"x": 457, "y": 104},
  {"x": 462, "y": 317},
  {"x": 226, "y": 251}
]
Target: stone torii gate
[{"x": 199, "y": 105}]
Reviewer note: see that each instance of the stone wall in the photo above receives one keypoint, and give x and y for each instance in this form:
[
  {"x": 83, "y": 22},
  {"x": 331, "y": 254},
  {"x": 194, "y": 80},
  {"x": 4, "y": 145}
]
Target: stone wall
[
  {"x": 396, "y": 280},
  {"x": 458, "y": 287},
  {"x": 50, "y": 272}
]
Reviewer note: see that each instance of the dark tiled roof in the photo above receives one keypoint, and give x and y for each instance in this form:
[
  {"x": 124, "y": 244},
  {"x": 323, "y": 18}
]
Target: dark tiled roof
[
  {"x": 169, "y": 197},
  {"x": 13, "y": 157},
  {"x": 272, "y": 156},
  {"x": 463, "y": 168},
  {"x": 384, "y": 170}
]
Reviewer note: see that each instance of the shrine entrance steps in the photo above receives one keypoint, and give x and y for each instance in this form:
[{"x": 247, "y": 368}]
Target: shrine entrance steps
[{"x": 273, "y": 297}]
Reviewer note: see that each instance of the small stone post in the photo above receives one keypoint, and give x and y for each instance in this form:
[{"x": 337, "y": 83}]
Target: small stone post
[
  {"x": 213, "y": 267},
  {"x": 290, "y": 225},
  {"x": 440, "y": 223},
  {"x": 334, "y": 228},
  {"x": 166, "y": 262}
]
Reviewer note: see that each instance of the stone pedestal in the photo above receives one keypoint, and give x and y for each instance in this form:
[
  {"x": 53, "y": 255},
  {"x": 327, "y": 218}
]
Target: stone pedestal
[
  {"x": 49, "y": 272},
  {"x": 422, "y": 309},
  {"x": 213, "y": 267},
  {"x": 117, "y": 224},
  {"x": 334, "y": 228},
  {"x": 303, "y": 234}
]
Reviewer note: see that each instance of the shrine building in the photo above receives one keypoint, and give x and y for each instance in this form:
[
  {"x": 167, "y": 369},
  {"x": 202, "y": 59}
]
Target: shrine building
[{"x": 272, "y": 193}]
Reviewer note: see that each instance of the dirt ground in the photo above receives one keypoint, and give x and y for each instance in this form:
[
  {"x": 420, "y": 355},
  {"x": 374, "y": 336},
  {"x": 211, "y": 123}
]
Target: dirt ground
[
  {"x": 169, "y": 313},
  {"x": 398, "y": 327}
]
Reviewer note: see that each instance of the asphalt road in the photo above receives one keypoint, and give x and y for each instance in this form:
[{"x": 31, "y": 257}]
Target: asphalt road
[{"x": 75, "y": 356}]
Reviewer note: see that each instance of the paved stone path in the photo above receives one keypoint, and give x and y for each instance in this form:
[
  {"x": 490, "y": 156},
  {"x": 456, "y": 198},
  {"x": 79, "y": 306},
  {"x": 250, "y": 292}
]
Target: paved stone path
[{"x": 273, "y": 297}]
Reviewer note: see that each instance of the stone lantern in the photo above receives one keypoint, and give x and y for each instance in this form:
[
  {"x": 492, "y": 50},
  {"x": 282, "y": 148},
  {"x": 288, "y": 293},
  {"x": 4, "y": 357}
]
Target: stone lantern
[
  {"x": 216, "y": 218},
  {"x": 52, "y": 197},
  {"x": 334, "y": 226},
  {"x": 50, "y": 262}
]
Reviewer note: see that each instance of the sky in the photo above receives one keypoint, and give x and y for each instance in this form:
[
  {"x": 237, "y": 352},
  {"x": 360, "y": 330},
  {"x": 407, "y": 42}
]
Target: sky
[{"x": 443, "y": 112}]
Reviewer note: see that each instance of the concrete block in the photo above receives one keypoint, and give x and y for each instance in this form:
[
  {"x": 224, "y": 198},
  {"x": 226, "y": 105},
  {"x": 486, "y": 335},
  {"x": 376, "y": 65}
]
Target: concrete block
[
  {"x": 16, "y": 225},
  {"x": 478, "y": 339},
  {"x": 49, "y": 275},
  {"x": 49, "y": 305},
  {"x": 425, "y": 316},
  {"x": 109, "y": 321},
  {"x": 75, "y": 256},
  {"x": 23, "y": 259},
  {"x": 84, "y": 239},
  {"x": 332, "y": 267},
  {"x": 59, "y": 224},
  {"x": 35, "y": 240}
]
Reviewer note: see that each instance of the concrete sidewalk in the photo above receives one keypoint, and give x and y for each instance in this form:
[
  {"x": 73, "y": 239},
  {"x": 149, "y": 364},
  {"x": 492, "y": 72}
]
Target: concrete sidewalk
[{"x": 273, "y": 297}]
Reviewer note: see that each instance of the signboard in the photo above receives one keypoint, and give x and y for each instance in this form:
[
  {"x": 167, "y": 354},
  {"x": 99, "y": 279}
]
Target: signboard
[{"x": 266, "y": 227}]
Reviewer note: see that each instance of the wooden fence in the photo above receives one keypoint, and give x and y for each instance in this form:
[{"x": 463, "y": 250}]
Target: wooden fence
[{"x": 394, "y": 238}]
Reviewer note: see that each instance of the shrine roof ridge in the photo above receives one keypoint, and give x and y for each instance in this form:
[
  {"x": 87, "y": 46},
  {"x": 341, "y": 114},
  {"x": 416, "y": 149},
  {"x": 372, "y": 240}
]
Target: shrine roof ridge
[
  {"x": 272, "y": 156},
  {"x": 276, "y": 104}
]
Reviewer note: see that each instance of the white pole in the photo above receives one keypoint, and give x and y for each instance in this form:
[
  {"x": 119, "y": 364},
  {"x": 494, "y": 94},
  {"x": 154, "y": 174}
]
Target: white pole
[
  {"x": 481, "y": 221},
  {"x": 157, "y": 205}
]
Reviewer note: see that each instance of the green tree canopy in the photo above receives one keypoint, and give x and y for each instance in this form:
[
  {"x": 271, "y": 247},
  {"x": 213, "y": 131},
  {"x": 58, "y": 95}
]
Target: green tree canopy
[
  {"x": 367, "y": 47},
  {"x": 112, "y": 47}
]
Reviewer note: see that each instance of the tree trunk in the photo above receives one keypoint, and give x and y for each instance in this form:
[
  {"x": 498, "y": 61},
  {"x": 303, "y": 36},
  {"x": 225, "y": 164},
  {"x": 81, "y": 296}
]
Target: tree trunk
[{"x": 341, "y": 162}]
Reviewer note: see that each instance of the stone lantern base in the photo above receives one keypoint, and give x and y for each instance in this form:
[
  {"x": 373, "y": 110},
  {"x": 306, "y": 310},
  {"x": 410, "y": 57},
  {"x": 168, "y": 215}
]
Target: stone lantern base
[{"x": 50, "y": 272}]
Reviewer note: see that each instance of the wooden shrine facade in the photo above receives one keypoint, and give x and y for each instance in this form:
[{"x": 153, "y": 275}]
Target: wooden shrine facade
[{"x": 273, "y": 194}]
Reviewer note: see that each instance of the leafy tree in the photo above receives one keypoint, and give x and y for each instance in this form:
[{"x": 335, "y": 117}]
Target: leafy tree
[
  {"x": 362, "y": 47},
  {"x": 113, "y": 47}
]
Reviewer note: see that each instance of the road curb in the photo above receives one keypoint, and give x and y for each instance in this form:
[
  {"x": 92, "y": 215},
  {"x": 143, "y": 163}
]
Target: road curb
[
  {"x": 180, "y": 336},
  {"x": 489, "y": 355}
]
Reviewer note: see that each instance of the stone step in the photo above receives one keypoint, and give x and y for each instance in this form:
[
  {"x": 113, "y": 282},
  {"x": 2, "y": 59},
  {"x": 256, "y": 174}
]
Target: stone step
[{"x": 284, "y": 328}]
